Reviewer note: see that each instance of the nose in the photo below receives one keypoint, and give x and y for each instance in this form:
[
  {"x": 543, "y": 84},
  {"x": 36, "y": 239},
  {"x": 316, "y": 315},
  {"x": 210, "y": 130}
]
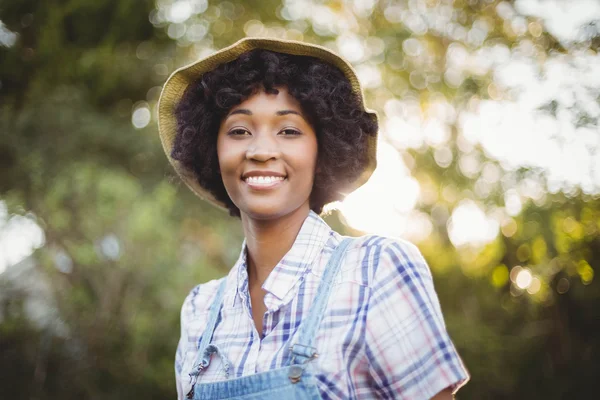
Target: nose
[{"x": 263, "y": 148}]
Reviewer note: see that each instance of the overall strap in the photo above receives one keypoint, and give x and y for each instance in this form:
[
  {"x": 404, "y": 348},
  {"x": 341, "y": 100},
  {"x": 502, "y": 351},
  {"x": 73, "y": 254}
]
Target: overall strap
[
  {"x": 214, "y": 310},
  {"x": 303, "y": 350}
]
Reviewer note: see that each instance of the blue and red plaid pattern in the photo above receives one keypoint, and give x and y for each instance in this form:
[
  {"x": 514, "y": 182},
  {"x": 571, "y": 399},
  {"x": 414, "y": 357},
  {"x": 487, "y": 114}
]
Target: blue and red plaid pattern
[{"x": 383, "y": 334}]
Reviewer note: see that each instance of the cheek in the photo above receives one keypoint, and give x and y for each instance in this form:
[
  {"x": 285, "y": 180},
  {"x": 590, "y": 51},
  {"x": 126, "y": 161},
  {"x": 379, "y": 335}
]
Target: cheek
[
  {"x": 314, "y": 150},
  {"x": 225, "y": 157},
  {"x": 307, "y": 158},
  {"x": 228, "y": 165}
]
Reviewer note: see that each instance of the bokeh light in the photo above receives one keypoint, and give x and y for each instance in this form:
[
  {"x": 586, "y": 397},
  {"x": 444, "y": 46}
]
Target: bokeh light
[
  {"x": 141, "y": 116},
  {"x": 524, "y": 278},
  {"x": 470, "y": 225},
  {"x": 7, "y": 38}
]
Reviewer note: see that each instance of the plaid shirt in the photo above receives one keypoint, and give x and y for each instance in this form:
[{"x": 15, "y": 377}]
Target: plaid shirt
[{"x": 383, "y": 334}]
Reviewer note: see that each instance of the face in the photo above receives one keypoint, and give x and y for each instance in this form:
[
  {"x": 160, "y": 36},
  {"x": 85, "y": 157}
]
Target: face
[{"x": 267, "y": 156}]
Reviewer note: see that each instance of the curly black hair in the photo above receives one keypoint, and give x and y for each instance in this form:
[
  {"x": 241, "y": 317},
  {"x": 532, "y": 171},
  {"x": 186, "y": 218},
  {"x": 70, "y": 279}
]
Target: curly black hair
[{"x": 325, "y": 96}]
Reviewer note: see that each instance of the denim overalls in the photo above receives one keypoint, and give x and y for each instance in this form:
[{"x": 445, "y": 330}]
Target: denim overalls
[{"x": 294, "y": 381}]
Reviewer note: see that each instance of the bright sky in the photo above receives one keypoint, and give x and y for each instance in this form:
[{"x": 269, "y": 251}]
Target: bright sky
[
  {"x": 19, "y": 237},
  {"x": 564, "y": 19},
  {"x": 513, "y": 131},
  {"x": 7, "y": 38}
]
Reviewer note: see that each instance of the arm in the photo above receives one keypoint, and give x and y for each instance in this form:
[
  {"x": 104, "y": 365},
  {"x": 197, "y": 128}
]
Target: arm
[
  {"x": 409, "y": 350},
  {"x": 445, "y": 394}
]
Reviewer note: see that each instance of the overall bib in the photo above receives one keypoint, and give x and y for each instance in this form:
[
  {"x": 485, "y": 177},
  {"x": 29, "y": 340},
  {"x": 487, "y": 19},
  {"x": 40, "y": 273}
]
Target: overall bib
[{"x": 293, "y": 381}]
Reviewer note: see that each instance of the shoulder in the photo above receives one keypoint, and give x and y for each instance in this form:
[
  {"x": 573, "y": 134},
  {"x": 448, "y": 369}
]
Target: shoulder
[
  {"x": 409, "y": 349},
  {"x": 379, "y": 256},
  {"x": 199, "y": 299},
  {"x": 383, "y": 244}
]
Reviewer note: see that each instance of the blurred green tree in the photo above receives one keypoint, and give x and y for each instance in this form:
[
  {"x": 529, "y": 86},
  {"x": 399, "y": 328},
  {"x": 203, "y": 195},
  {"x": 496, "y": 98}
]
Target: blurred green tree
[{"x": 123, "y": 244}]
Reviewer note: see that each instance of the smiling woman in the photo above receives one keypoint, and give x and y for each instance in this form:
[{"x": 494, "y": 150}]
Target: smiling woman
[{"x": 273, "y": 131}]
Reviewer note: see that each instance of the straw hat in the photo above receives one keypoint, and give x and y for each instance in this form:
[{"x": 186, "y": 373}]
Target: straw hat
[{"x": 179, "y": 80}]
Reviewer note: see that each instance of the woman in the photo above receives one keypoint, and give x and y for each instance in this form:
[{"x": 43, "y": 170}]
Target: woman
[{"x": 272, "y": 131}]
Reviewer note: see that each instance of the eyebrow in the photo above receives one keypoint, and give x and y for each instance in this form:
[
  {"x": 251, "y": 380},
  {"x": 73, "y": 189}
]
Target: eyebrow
[
  {"x": 286, "y": 112},
  {"x": 248, "y": 112}
]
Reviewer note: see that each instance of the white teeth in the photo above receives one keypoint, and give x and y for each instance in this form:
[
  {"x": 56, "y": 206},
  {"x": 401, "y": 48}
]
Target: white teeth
[{"x": 264, "y": 180}]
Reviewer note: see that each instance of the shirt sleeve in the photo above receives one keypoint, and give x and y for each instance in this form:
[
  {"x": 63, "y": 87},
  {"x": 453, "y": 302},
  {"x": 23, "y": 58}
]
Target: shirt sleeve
[
  {"x": 180, "y": 353},
  {"x": 409, "y": 350},
  {"x": 193, "y": 315},
  {"x": 178, "y": 365}
]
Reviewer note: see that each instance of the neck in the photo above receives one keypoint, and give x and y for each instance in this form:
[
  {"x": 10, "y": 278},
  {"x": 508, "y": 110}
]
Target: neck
[{"x": 268, "y": 241}]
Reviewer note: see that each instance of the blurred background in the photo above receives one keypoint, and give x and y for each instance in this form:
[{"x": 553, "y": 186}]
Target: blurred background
[{"x": 488, "y": 160}]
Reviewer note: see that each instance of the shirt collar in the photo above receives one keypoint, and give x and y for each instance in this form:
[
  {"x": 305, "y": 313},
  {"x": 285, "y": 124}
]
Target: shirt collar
[
  {"x": 309, "y": 243},
  {"x": 238, "y": 276}
]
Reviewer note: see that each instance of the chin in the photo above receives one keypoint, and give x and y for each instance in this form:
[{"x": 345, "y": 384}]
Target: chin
[{"x": 265, "y": 211}]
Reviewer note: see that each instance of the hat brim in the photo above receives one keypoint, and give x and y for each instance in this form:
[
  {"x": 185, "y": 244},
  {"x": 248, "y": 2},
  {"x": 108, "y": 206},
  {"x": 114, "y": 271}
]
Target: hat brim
[{"x": 177, "y": 83}]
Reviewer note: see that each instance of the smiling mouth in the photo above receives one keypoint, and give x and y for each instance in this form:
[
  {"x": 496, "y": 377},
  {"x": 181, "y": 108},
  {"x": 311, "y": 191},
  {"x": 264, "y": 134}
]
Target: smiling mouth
[{"x": 264, "y": 182}]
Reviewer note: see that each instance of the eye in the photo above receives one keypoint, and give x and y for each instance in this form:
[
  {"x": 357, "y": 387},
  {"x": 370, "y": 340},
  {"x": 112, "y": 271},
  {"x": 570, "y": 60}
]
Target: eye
[
  {"x": 290, "y": 132},
  {"x": 239, "y": 132}
]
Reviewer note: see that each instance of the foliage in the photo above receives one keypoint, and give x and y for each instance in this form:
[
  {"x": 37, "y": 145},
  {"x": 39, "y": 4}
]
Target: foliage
[{"x": 125, "y": 241}]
